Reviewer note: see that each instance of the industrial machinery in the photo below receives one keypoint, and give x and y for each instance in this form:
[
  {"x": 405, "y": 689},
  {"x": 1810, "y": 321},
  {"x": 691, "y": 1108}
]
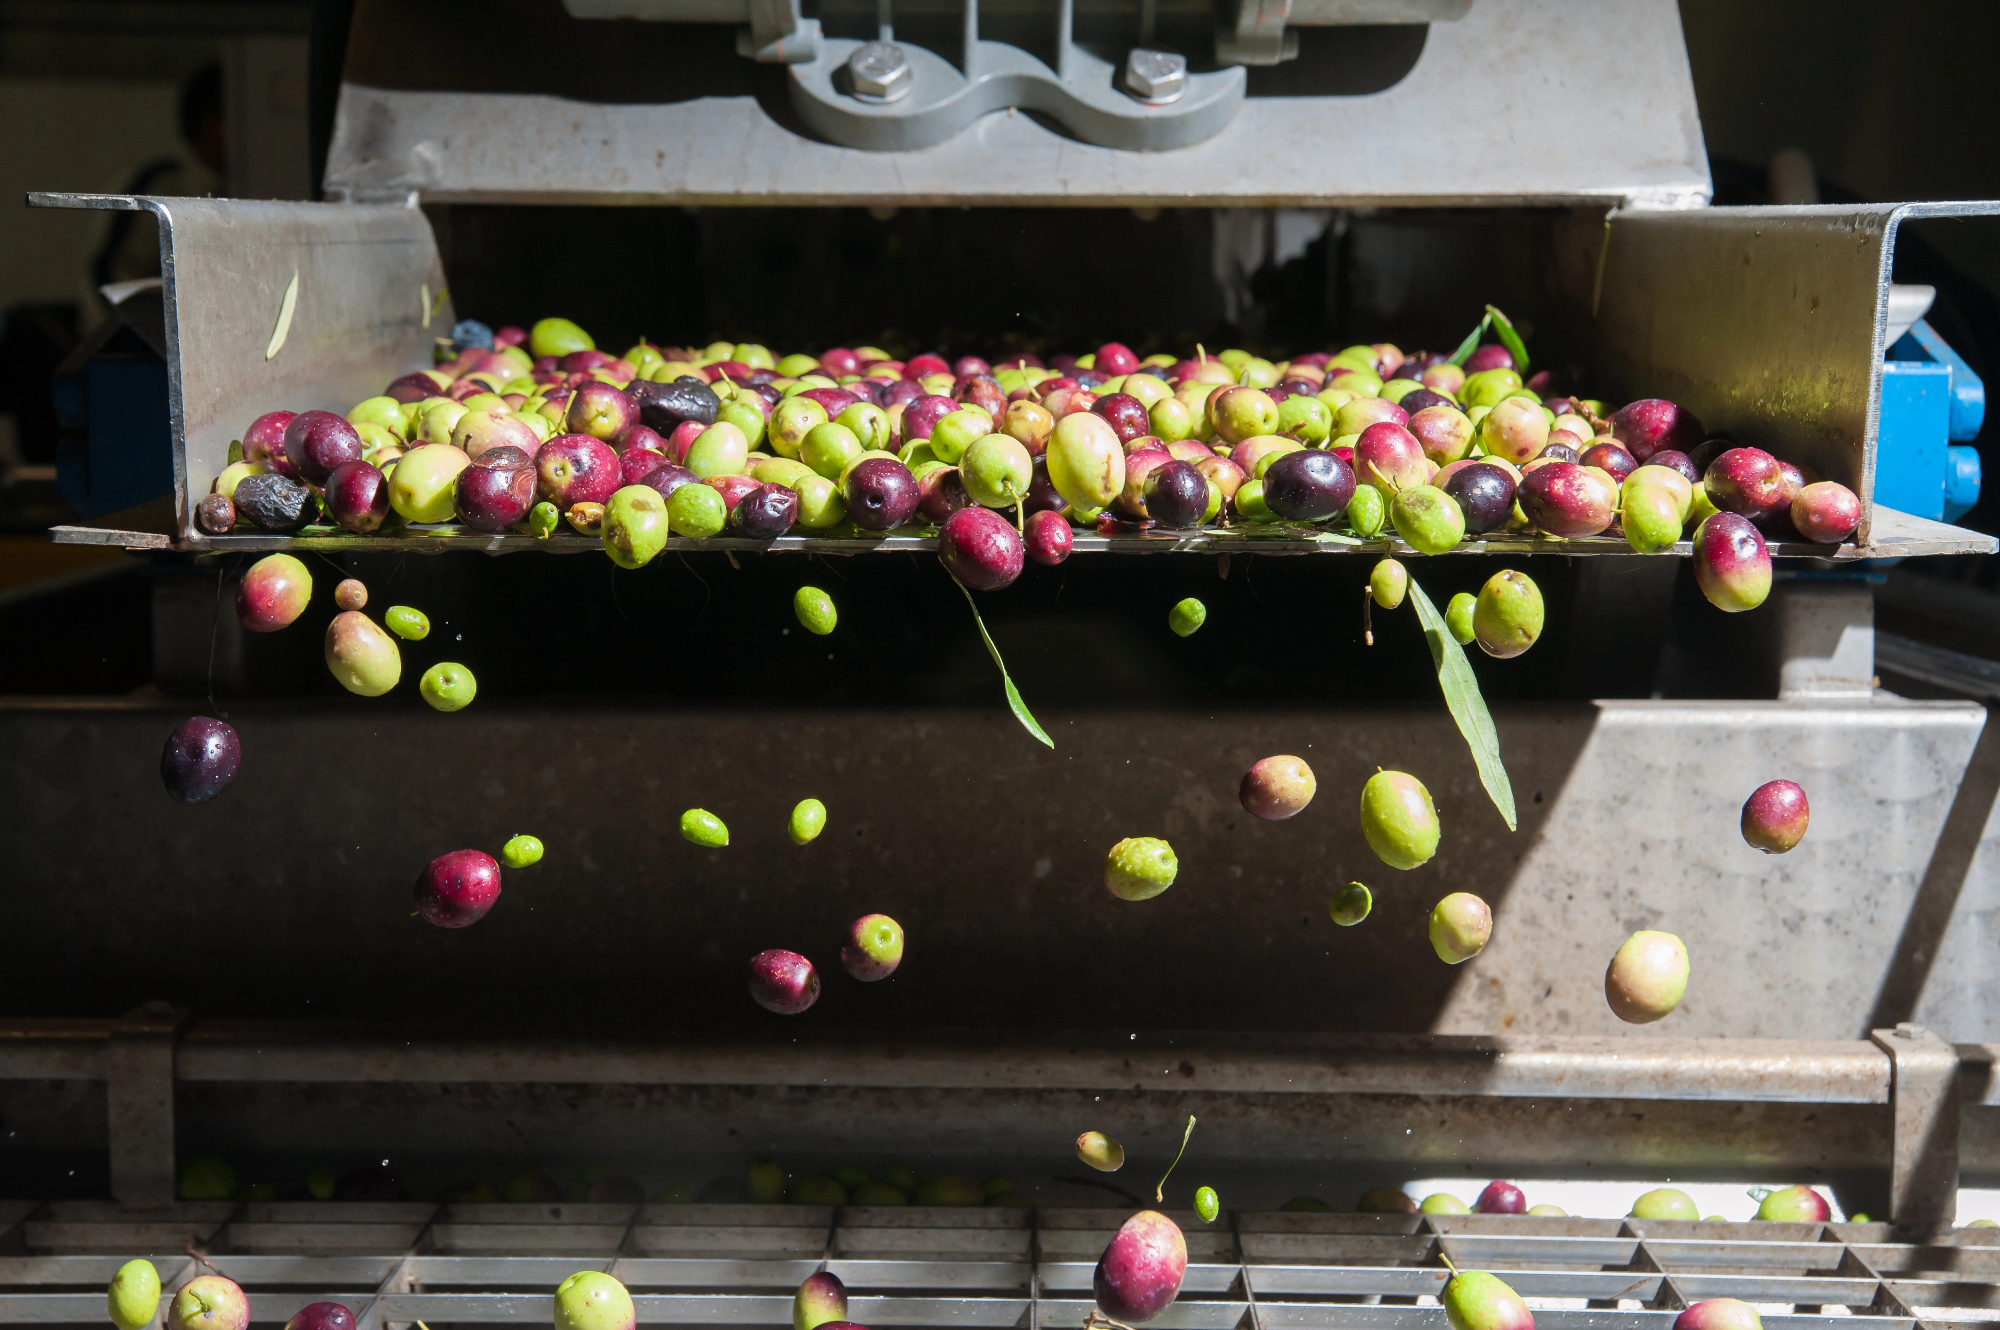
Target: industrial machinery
[{"x": 1846, "y": 1009}]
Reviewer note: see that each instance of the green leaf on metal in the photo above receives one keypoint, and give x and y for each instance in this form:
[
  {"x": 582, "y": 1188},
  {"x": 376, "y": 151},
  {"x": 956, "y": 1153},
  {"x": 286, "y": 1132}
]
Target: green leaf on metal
[
  {"x": 1014, "y": 702},
  {"x": 1471, "y": 342},
  {"x": 1510, "y": 339},
  {"x": 1468, "y": 707}
]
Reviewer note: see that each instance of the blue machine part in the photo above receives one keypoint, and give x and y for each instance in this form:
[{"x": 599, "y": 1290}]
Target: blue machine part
[{"x": 1932, "y": 407}]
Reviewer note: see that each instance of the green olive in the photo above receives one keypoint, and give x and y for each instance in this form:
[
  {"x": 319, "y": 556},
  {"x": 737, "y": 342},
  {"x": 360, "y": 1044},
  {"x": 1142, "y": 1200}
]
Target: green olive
[
  {"x": 448, "y": 686},
  {"x": 1388, "y": 583},
  {"x": 815, "y": 610},
  {"x": 1140, "y": 868},
  {"x": 1458, "y": 617},
  {"x": 1366, "y": 512},
  {"x": 703, "y": 827},
  {"x": 521, "y": 852},
  {"x": 1187, "y": 616},
  {"x": 408, "y": 624},
  {"x": 542, "y": 519},
  {"x": 808, "y": 820},
  {"x": 1207, "y": 1204},
  {"x": 1350, "y": 905}
]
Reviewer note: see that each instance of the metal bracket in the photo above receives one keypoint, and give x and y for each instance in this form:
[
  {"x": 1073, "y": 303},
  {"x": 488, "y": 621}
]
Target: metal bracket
[
  {"x": 1258, "y": 36},
  {"x": 139, "y": 1090},
  {"x": 1923, "y": 1094}
]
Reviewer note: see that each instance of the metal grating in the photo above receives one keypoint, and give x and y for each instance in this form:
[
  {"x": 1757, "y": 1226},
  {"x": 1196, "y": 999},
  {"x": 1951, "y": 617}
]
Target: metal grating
[{"x": 490, "y": 1264}]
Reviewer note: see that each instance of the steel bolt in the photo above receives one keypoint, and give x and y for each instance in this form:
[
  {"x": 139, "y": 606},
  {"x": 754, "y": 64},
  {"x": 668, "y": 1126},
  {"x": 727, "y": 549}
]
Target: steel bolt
[
  {"x": 880, "y": 71},
  {"x": 1155, "y": 76}
]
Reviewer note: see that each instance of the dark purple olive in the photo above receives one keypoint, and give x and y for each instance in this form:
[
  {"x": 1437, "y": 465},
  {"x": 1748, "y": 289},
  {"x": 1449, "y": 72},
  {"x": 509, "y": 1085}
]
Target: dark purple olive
[
  {"x": 357, "y": 495},
  {"x": 321, "y": 1316},
  {"x": 1708, "y": 451},
  {"x": 1608, "y": 457},
  {"x": 667, "y": 478},
  {"x": 496, "y": 491},
  {"x": 1041, "y": 496},
  {"x": 899, "y": 392},
  {"x": 1485, "y": 494},
  {"x": 766, "y": 513},
  {"x": 1558, "y": 452},
  {"x": 215, "y": 514},
  {"x": 880, "y": 494},
  {"x": 980, "y": 548},
  {"x": 200, "y": 760},
  {"x": 1047, "y": 537},
  {"x": 1417, "y": 399},
  {"x": 318, "y": 441},
  {"x": 941, "y": 492},
  {"x": 276, "y": 503},
  {"x": 1177, "y": 495},
  {"x": 1674, "y": 460},
  {"x": 1309, "y": 485},
  {"x": 665, "y": 405}
]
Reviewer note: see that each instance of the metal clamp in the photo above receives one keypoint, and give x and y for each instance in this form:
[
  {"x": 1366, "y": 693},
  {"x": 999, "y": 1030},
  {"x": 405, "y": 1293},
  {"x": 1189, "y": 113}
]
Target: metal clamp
[{"x": 1923, "y": 1170}]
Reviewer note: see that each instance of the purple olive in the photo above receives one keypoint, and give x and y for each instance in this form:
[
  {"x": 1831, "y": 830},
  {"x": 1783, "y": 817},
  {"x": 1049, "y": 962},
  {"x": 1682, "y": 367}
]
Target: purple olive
[
  {"x": 1485, "y": 493},
  {"x": 1674, "y": 460},
  {"x": 921, "y": 416},
  {"x": 1047, "y": 537},
  {"x": 1125, "y": 414},
  {"x": 899, "y": 392},
  {"x": 1775, "y": 816},
  {"x": 357, "y": 496},
  {"x": 1042, "y": 496},
  {"x": 766, "y": 512},
  {"x": 1568, "y": 500},
  {"x": 1748, "y": 481},
  {"x": 941, "y": 492},
  {"x": 635, "y": 464},
  {"x": 496, "y": 491},
  {"x": 1651, "y": 424},
  {"x": 1490, "y": 356},
  {"x": 880, "y": 494},
  {"x": 1732, "y": 566},
  {"x": 600, "y": 410},
  {"x": 1309, "y": 485},
  {"x": 1177, "y": 494},
  {"x": 667, "y": 478},
  {"x": 783, "y": 981},
  {"x": 1608, "y": 457},
  {"x": 1558, "y": 452},
  {"x": 318, "y": 441},
  {"x": 321, "y": 1316},
  {"x": 1419, "y": 399},
  {"x": 200, "y": 760},
  {"x": 980, "y": 548}
]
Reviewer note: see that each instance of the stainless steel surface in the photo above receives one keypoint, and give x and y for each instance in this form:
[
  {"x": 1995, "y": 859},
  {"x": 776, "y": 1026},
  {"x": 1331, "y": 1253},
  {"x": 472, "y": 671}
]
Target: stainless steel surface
[
  {"x": 1923, "y": 1181},
  {"x": 225, "y": 264},
  {"x": 1575, "y": 1274},
  {"x": 140, "y": 1075},
  {"x": 1783, "y": 346},
  {"x": 1896, "y": 535},
  {"x": 1568, "y": 135},
  {"x": 1826, "y": 640}
]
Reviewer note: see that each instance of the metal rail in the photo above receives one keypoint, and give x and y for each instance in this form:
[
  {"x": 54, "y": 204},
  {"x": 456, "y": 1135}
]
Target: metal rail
[
  {"x": 1921, "y": 1078},
  {"x": 396, "y": 1263},
  {"x": 1895, "y": 535}
]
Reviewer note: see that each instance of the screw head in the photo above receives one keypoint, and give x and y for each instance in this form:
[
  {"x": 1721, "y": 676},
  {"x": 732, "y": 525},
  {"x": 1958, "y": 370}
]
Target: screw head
[
  {"x": 880, "y": 70},
  {"x": 1155, "y": 76}
]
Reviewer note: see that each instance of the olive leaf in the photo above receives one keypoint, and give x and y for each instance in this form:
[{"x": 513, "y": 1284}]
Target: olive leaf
[
  {"x": 283, "y": 328},
  {"x": 1471, "y": 342},
  {"x": 1510, "y": 339},
  {"x": 1014, "y": 702},
  {"x": 1468, "y": 708}
]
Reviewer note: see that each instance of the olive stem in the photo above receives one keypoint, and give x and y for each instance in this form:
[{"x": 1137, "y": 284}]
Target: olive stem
[
  {"x": 1098, "y": 1318},
  {"x": 1020, "y": 522},
  {"x": 1367, "y": 619},
  {"x": 1159, "y": 1190},
  {"x": 1445, "y": 1256}
]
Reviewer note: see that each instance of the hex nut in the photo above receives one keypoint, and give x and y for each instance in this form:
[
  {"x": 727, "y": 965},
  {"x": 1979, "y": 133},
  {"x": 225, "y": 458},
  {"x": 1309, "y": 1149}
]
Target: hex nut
[
  {"x": 1155, "y": 76},
  {"x": 881, "y": 72}
]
